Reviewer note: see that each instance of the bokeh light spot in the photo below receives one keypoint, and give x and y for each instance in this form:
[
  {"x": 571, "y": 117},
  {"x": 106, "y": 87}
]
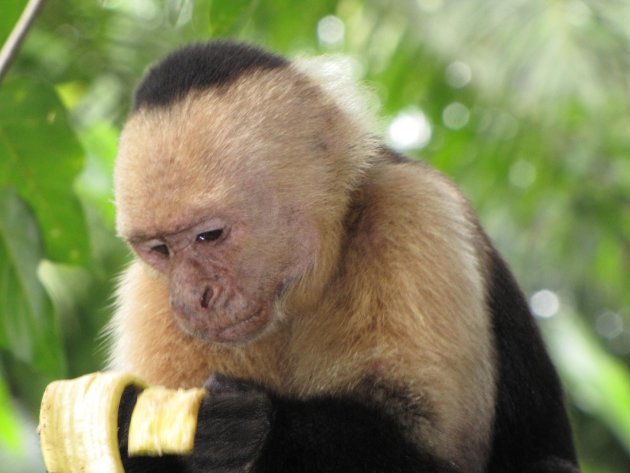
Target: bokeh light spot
[
  {"x": 458, "y": 74},
  {"x": 455, "y": 116},
  {"x": 544, "y": 303},
  {"x": 331, "y": 31},
  {"x": 409, "y": 130},
  {"x": 522, "y": 174}
]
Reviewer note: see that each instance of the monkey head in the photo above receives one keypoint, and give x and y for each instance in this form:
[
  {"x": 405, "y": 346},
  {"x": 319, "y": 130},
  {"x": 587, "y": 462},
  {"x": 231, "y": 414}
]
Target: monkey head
[{"x": 223, "y": 194}]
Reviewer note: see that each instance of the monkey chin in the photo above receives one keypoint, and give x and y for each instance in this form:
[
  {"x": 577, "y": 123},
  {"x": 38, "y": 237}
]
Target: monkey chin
[{"x": 238, "y": 333}]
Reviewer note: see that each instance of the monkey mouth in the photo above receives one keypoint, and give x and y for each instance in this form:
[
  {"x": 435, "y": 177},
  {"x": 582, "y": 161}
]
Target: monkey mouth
[
  {"x": 220, "y": 327},
  {"x": 244, "y": 330}
]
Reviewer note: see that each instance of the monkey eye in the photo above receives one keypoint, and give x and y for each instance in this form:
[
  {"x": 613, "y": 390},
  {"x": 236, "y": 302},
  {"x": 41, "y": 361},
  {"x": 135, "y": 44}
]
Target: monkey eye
[
  {"x": 212, "y": 235},
  {"x": 161, "y": 249}
]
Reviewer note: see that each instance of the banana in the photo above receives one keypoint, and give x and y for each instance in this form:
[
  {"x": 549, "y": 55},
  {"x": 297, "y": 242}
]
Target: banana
[
  {"x": 164, "y": 421},
  {"x": 78, "y": 423}
]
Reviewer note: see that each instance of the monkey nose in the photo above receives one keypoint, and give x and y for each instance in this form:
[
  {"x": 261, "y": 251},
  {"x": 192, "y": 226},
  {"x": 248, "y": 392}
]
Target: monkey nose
[{"x": 206, "y": 297}]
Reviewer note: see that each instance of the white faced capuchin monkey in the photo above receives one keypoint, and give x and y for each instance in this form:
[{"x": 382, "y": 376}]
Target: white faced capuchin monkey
[{"x": 341, "y": 303}]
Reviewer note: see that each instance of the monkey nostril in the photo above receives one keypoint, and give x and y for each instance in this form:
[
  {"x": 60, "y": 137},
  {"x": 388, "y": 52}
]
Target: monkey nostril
[{"x": 205, "y": 298}]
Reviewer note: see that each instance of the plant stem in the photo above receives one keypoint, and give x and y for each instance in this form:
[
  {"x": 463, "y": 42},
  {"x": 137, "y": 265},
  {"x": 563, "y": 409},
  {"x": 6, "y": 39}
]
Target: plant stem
[{"x": 13, "y": 42}]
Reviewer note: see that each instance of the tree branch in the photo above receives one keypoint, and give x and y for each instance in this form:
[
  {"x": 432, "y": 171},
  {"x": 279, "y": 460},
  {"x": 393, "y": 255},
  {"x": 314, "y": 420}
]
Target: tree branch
[{"x": 13, "y": 42}]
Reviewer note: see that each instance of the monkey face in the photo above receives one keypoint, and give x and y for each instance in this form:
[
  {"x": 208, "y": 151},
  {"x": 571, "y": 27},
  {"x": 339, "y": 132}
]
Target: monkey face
[
  {"x": 212, "y": 294},
  {"x": 209, "y": 291},
  {"x": 205, "y": 199},
  {"x": 227, "y": 263}
]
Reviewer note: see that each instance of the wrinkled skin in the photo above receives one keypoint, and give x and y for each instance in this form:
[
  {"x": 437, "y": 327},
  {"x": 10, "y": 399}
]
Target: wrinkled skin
[{"x": 223, "y": 287}]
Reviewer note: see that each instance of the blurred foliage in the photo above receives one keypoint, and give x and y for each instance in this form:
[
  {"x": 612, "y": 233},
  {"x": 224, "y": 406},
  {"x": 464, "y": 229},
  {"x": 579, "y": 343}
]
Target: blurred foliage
[{"x": 523, "y": 102}]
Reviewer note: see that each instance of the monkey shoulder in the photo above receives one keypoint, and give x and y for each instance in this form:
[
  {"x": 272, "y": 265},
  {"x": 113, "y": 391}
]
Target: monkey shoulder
[
  {"x": 413, "y": 289},
  {"x": 418, "y": 253},
  {"x": 418, "y": 257},
  {"x": 408, "y": 209}
]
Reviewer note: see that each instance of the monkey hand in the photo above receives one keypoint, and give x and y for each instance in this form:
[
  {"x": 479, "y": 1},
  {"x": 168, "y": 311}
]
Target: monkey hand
[{"x": 234, "y": 421}]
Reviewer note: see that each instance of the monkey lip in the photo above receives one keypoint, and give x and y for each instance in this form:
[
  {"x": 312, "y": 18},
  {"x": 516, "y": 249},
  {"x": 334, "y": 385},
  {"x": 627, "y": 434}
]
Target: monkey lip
[
  {"x": 243, "y": 330},
  {"x": 215, "y": 328}
]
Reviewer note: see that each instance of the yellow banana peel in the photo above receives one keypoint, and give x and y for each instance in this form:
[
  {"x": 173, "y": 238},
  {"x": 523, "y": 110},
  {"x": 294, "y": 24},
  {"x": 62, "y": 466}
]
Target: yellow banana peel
[{"x": 78, "y": 424}]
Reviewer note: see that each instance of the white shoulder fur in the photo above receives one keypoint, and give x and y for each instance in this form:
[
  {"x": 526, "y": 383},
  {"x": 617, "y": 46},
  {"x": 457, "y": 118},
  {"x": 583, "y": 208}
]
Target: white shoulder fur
[{"x": 338, "y": 76}]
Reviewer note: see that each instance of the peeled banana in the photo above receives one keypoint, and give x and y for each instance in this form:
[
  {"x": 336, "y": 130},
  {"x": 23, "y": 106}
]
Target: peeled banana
[
  {"x": 78, "y": 423},
  {"x": 164, "y": 421}
]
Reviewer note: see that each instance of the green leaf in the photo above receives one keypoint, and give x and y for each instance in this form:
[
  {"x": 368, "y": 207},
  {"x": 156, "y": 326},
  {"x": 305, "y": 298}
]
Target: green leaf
[
  {"x": 9, "y": 423},
  {"x": 27, "y": 322},
  {"x": 11, "y": 10},
  {"x": 41, "y": 157},
  {"x": 598, "y": 381},
  {"x": 179, "y": 12},
  {"x": 95, "y": 182},
  {"x": 201, "y": 17},
  {"x": 227, "y": 18}
]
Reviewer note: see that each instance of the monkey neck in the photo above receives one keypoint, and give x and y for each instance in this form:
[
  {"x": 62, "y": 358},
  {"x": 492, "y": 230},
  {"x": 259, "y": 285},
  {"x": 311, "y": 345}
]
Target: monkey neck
[{"x": 337, "y": 220}]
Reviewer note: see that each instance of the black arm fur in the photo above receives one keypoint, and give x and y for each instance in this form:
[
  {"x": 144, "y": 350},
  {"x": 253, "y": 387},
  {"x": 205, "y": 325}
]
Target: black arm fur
[{"x": 242, "y": 428}]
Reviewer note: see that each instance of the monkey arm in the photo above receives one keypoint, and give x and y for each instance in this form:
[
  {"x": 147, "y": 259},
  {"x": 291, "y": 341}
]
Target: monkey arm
[
  {"x": 241, "y": 427},
  {"x": 337, "y": 435}
]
